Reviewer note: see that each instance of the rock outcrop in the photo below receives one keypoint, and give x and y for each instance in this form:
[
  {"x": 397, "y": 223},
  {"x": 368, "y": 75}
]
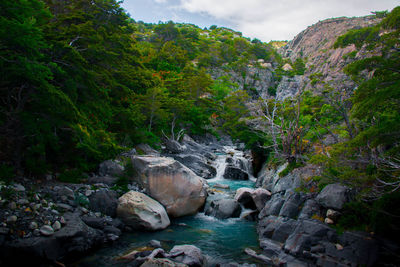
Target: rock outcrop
[
  {"x": 139, "y": 211},
  {"x": 224, "y": 208},
  {"x": 172, "y": 184}
]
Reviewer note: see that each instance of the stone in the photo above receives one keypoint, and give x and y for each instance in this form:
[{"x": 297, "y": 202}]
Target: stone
[
  {"x": 329, "y": 221},
  {"x": 19, "y": 187},
  {"x": 332, "y": 214},
  {"x": 270, "y": 248},
  {"x": 33, "y": 225},
  {"x": 56, "y": 225},
  {"x": 145, "y": 149},
  {"x": 188, "y": 254},
  {"x": 224, "y": 208},
  {"x": 109, "y": 229},
  {"x": 287, "y": 67},
  {"x": 198, "y": 164},
  {"x": 174, "y": 185},
  {"x": 67, "y": 192},
  {"x": 260, "y": 197},
  {"x": 46, "y": 230},
  {"x": 95, "y": 222},
  {"x": 244, "y": 196},
  {"x": 310, "y": 208},
  {"x": 104, "y": 201},
  {"x": 173, "y": 146},
  {"x": 154, "y": 243},
  {"x": 292, "y": 205},
  {"x": 161, "y": 262},
  {"x": 259, "y": 257},
  {"x": 11, "y": 219},
  {"x": 65, "y": 206},
  {"x": 234, "y": 173},
  {"x": 111, "y": 168},
  {"x": 139, "y": 211},
  {"x": 273, "y": 206},
  {"x": 275, "y": 228},
  {"x": 12, "y": 205},
  {"x": 334, "y": 196}
]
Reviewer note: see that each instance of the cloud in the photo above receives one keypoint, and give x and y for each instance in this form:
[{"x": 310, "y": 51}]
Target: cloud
[
  {"x": 160, "y": 1},
  {"x": 280, "y": 20}
]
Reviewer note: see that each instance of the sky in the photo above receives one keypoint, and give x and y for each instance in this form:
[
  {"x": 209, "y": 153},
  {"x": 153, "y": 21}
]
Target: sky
[{"x": 262, "y": 19}]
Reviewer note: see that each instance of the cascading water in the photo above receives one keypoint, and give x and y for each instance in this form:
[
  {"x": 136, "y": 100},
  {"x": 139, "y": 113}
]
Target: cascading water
[{"x": 223, "y": 241}]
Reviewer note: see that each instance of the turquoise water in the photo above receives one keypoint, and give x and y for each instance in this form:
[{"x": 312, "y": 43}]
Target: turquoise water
[{"x": 222, "y": 241}]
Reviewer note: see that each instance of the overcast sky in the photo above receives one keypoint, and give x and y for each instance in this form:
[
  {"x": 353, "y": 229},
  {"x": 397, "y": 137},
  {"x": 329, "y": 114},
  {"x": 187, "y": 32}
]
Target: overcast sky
[{"x": 263, "y": 19}]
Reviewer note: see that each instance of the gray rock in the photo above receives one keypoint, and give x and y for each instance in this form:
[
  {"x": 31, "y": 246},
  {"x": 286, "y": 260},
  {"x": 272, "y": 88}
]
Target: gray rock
[
  {"x": 292, "y": 205},
  {"x": 109, "y": 229},
  {"x": 260, "y": 197},
  {"x": 104, "y": 201},
  {"x": 273, "y": 206},
  {"x": 198, "y": 164},
  {"x": 234, "y": 173},
  {"x": 65, "y": 206},
  {"x": 56, "y": 226},
  {"x": 244, "y": 196},
  {"x": 46, "y": 230},
  {"x": 145, "y": 149},
  {"x": 188, "y": 254},
  {"x": 334, "y": 196},
  {"x": 174, "y": 185},
  {"x": 270, "y": 248},
  {"x": 276, "y": 228},
  {"x": 107, "y": 180},
  {"x": 19, "y": 187},
  {"x": 111, "y": 168},
  {"x": 154, "y": 243},
  {"x": 310, "y": 208},
  {"x": 95, "y": 222},
  {"x": 139, "y": 211},
  {"x": 161, "y": 262},
  {"x": 67, "y": 192},
  {"x": 11, "y": 219},
  {"x": 332, "y": 214},
  {"x": 174, "y": 147},
  {"x": 224, "y": 208},
  {"x": 33, "y": 225}
]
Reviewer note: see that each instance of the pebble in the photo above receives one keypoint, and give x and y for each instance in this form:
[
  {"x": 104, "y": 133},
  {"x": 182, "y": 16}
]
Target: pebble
[
  {"x": 65, "y": 206},
  {"x": 36, "y": 232},
  {"x": 329, "y": 221},
  {"x": 12, "y": 219},
  {"x": 19, "y": 187},
  {"x": 46, "y": 230},
  {"x": 23, "y": 201},
  {"x": 33, "y": 225},
  {"x": 88, "y": 192},
  {"x": 56, "y": 225},
  {"x": 339, "y": 247},
  {"x": 62, "y": 220},
  {"x": 12, "y": 205},
  {"x": 4, "y": 230}
]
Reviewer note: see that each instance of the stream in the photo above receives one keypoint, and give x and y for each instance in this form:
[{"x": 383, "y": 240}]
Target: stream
[{"x": 222, "y": 241}]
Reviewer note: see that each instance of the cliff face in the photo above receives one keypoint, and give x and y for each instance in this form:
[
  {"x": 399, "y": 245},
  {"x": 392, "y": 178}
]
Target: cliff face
[{"x": 315, "y": 46}]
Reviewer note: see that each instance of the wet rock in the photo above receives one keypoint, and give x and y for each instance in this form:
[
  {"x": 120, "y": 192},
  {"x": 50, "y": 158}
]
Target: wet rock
[
  {"x": 224, "y": 208},
  {"x": 334, "y": 196},
  {"x": 46, "y": 230},
  {"x": 111, "y": 168},
  {"x": 174, "y": 185},
  {"x": 140, "y": 211},
  {"x": 104, "y": 201},
  {"x": 234, "y": 173},
  {"x": 188, "y": 254}
]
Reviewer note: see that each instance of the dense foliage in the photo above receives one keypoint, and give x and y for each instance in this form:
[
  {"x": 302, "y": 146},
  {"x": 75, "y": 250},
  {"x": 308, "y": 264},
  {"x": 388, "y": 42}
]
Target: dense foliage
[{"x": 81, "y": 82}]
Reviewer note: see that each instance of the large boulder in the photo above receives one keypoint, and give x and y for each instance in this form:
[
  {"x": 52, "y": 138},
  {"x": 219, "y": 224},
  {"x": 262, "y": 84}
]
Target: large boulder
[
  {"x": 198, "y": 164},
  {"x": 111, "y": 168},
  {"x": 145, "y": 149},
  {"x": 224, "y": 208},
  {"x": 174, "y": 185},
  {"x": 142, "y": 212},
  {"x": 252, "y": 198},
  {"x": 234, "y": 173},
  {"x": 104, "y": 201},
  {"x": 188, "y": 254},
  {"x": 334, "y": 196}
]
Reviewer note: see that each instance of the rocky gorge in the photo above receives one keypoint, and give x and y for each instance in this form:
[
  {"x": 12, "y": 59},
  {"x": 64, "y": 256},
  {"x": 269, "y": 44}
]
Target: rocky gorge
[{"x": 61, "y": 222}]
